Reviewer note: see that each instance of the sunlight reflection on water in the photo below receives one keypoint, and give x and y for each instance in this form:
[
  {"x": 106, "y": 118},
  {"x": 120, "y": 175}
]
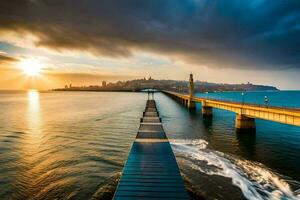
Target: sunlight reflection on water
[
  {"x": 63, "y": 145},
  {"x": 33, "y": 113},
  {"x": 52, "y": 145}
]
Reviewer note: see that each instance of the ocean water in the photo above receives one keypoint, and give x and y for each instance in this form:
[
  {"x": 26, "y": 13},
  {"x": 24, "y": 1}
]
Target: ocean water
[
  {"x": 275, "y": 98},
  {"x": 65, "y": 145}
]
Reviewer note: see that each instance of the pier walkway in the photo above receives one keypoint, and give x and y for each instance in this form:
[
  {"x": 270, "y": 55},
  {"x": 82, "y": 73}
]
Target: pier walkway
[{"x": 151, "y": 170}]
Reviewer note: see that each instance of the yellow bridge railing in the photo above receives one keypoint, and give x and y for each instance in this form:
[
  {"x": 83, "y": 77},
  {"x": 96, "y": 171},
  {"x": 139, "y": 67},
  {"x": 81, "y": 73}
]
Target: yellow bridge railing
[{"x": 246, "y": 113}]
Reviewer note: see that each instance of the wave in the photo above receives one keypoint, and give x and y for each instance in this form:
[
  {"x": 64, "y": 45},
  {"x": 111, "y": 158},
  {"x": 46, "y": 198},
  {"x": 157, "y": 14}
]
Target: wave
[
  {"x": 255, "y": 180},
  {"x": 107, "y": 189}
]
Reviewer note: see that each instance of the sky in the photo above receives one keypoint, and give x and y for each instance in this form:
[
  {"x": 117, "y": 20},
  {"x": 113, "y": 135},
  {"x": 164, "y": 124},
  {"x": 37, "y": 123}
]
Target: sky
[{"x": 85, "y": 42}]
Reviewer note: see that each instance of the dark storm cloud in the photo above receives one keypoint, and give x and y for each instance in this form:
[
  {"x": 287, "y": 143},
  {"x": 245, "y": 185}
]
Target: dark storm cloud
[{"x": 259, "y": 34}]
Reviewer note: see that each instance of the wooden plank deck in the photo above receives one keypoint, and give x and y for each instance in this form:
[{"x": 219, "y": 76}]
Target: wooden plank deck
[{"x": 151, "y": 171}]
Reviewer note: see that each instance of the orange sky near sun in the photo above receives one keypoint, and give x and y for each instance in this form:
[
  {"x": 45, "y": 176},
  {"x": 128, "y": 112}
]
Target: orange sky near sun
[{"x": 17, "y": 80}]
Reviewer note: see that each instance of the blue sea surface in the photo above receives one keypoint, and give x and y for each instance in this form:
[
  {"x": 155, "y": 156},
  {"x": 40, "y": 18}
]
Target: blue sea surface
[
  {"x": 275, "y": 98},
  {"x": 264, "y": 165},
  {"x": 65, "y": 145}
]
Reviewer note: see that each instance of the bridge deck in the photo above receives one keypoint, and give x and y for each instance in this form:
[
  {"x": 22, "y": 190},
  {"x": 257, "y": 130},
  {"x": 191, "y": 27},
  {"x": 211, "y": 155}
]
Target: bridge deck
[
  {"x": 151, "y": 170},
  {"x": 272, "y": 113}
]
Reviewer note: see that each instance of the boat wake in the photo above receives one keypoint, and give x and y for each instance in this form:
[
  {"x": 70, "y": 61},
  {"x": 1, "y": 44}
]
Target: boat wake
[{"x": 255, "y": 180}]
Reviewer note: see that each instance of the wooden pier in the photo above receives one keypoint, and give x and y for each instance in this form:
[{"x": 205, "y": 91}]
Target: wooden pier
[{"x": 151, "y": 170}]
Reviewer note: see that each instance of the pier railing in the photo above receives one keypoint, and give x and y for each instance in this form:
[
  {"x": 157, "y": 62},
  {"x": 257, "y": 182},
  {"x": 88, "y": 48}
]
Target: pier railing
[{"x": 245, "y": 111}]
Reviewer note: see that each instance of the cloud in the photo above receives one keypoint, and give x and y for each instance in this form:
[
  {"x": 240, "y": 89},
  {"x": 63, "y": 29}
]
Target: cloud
[
  {"x": 7, "y": 62},
  {"x": 7, "y": 59},
  {"x": 87, "y": 78},
  {"x": 250, "y": 34}
]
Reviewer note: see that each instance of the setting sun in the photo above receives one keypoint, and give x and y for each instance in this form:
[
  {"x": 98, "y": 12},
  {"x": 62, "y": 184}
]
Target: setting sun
[{"x": 31, "y": 67}]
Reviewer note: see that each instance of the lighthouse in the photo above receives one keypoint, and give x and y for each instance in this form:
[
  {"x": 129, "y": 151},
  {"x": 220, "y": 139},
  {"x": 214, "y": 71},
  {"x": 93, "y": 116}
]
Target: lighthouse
[
  {"x": 191, "y": 86},
  {"x": 191, "y": 104}
]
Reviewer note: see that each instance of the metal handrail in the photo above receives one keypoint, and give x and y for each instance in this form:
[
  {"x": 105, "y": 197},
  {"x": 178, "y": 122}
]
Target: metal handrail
[{"x": 290, "y": 108}]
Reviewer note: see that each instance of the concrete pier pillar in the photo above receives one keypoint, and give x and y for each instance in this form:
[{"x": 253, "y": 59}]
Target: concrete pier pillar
[
  {"x": 243, "y": 122},
  {"x": 207, "y": 111},
  {"x": 191, "y": 104}
]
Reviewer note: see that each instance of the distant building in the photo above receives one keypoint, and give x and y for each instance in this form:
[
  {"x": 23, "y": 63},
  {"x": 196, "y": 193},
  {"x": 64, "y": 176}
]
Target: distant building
[{"x": 103, "y": 83}]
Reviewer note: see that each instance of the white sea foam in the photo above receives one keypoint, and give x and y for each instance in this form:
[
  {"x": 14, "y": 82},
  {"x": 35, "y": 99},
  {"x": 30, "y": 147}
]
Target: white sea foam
[{"x": 255, "y": 180}]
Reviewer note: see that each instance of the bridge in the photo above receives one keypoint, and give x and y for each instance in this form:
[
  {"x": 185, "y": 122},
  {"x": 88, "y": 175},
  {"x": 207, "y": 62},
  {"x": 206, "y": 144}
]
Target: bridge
[
  {"x": 151, "y": 170},
  {"x": 245, "y": 113}
]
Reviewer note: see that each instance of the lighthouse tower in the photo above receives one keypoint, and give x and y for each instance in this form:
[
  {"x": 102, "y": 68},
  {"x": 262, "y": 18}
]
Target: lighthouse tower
[
  {"x": 191, "y": 86},
  {"x": 191, "y": 104}
]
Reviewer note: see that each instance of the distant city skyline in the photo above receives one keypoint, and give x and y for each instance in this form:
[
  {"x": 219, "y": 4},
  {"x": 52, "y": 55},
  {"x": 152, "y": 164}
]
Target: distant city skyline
[
  {"x": 46, "y": 44},
  {"x": 165, "y": 85}
]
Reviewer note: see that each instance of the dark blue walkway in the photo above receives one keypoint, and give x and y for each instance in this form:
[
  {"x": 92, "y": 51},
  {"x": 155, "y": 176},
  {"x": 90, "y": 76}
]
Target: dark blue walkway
[{"x": 151, "y": 170}]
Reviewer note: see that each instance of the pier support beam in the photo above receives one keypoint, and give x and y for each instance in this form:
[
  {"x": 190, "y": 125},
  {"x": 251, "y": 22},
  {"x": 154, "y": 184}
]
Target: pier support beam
[
  {"x": 243, "y": 122},
  {"x": 207, "y": 111},
  {"x": 191, "y": 104},
  {"x": 184, "y": 102}
]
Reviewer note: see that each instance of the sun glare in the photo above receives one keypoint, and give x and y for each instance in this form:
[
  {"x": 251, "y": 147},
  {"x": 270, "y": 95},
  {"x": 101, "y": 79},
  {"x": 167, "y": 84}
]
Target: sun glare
[{"x": 31, "y": 67}]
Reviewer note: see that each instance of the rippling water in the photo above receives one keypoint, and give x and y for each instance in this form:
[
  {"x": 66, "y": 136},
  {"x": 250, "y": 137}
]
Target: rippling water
[{"x": 64, "y": 145}]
